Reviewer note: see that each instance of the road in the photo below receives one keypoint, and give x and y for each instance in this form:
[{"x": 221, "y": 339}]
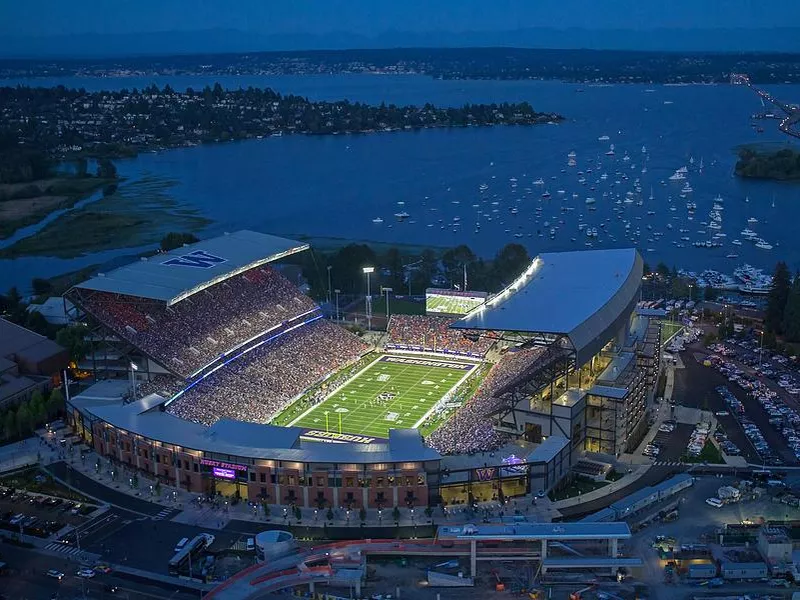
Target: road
[
  {"x": 104, "y": 493},
  {"x": 27, "y": 580}
]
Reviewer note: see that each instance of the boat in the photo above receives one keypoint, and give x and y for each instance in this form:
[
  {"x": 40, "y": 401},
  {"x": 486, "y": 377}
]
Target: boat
[
  {"x": 590, "y": 201},
  {"x": 687, "y": 189},
  {"x": 539, "y": 181},
  {"x": 752, "y": 220},
  {"x": 644, "y": 150},
  {"x": 402, "y": 216},
  {"x": 546, "y": 194},
  {"x": 603, "y": 138},
  {"x": 377, "y": 220},
  {"x": 763, "y": 245},
  {"x": 610, "y": 151},
  {"x": 572, "y": 154},
  {"x": 679, "y": 175}
]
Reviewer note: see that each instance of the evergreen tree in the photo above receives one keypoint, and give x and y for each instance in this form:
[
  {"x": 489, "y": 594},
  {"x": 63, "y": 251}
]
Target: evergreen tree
[
  {"x": 55, "y": 404},
  {"x": 24, "y": 424},
  {"x": 10, "y": 424},
  {"x": 791, "y": 315},
  {"x": 778, "y": 296}
]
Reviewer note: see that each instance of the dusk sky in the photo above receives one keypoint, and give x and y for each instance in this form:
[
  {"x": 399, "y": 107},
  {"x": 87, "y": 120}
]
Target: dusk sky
[{"x": 372, "y": 17}]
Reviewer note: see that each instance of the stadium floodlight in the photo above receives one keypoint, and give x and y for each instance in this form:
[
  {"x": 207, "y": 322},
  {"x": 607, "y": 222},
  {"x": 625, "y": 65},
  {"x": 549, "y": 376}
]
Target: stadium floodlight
[{"x": 368, "y": 299}]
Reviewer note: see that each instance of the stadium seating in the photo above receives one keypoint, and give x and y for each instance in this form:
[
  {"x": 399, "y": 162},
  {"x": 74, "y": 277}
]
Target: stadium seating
[
  {"x": 433, "y": 334},
  {"x": 264, "y": 381},
  {"x": 196, "y": 331},
  {"x": 471, "y": 430}
]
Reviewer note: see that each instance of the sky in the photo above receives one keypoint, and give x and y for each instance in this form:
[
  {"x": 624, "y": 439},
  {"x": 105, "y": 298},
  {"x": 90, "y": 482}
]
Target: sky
[{"x": 372, "y": 17}]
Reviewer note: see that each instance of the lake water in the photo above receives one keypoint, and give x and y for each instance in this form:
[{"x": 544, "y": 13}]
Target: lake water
[{"x": 458, "y": 185}]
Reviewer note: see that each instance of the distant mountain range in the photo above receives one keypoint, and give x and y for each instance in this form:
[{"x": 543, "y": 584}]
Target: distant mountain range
[{"x": 212, "y": 41}]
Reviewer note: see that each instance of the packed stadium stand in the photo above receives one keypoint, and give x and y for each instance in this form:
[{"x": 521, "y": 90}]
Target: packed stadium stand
[
  {"x": 433, "y": 334},
  {"x": 259, "y": 384},
  {"x": 187, "y": 308},
  {"x": 192, "y": 333},
  {"x": 471, "y": 430}
]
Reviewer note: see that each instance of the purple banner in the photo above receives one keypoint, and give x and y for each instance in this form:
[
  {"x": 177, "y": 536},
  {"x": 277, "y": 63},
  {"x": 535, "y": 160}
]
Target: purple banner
[{"x": 223, "y": 473}]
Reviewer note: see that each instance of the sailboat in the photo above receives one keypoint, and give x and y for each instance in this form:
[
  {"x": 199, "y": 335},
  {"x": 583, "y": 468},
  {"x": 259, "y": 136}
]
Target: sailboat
[{"x": 651, "y": 197}]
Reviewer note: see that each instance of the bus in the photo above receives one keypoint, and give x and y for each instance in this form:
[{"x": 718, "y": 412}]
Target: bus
[{"x": 181, "y": 563}]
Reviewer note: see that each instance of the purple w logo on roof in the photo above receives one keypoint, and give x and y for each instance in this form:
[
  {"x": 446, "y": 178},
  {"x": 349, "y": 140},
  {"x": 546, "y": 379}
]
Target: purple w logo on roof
[{"x": 199, "y": 259}]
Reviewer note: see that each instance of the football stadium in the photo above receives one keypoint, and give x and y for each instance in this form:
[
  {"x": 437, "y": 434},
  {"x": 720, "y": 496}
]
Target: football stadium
[{"x": 214, "y": 372}]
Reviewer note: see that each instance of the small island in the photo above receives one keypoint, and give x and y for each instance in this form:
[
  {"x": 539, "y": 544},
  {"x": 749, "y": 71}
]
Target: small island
[
  {"x": 72, "y": 123},
  {"x": 782, "y": 164}
]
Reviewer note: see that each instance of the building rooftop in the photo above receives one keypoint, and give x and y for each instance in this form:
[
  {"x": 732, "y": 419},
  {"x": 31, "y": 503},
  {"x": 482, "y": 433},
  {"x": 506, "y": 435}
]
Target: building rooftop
[
  {"x": 18, "y": 343},
  {"x": 548, "y": 449},
  {"x": 584, "y": 295},
  {"x": 570, "y": 397},
  {"x": 172, "y": 276}
]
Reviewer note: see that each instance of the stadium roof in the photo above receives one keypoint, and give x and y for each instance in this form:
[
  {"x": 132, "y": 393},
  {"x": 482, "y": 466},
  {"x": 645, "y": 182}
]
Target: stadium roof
[
  {"x": 585, "y": 295},
  {"x": 238, "y": 439},
  {"x": 172, "y": 276}
]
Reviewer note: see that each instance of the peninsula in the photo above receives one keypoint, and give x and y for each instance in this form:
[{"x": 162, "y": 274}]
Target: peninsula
[
  {"x": 71, "y": 123},
  {"x": 781, "y": 164}
]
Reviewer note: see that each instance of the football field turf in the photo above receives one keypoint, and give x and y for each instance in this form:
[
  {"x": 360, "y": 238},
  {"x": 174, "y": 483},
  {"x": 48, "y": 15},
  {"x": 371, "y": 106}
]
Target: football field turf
[
  {"x": 394, "y": 392},
  {"x": 452, "y": 305}
]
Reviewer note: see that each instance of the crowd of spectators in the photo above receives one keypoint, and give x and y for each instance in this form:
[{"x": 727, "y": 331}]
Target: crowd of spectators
[
  {"x": 196, "y": 331},
  {"x": 433, "y": 334},
  {"x": 470, "y": 429},
  {"x": 264, "y": 381}
]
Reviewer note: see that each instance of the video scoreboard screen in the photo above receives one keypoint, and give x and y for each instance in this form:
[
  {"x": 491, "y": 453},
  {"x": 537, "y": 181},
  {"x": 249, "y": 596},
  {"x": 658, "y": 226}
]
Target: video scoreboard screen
[{"x": 452, "y": 302}]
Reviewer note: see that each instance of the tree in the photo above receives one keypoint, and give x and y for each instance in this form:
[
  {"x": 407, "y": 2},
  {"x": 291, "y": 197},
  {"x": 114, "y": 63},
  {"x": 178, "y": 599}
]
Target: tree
[
  {"x": 507, "y": 265},
  {"x": 36, "y": 406},
  {"x": 454, "y": 262},
  {"x": 41, "y": 286},
  {"x": 298, "y": 514},
  {"x": 710, "y": 294},
  {"x": 81, "y": 167},
  {"x": 347, "y": 263},
  {"x": 329, "y": 514},
  {"x": 55, "y": 404},
  {"x": 778, "y": 296},
  {"x": 396, "y": 515},
  {"x": 24, "y": 421},
  {"x": 362, "y": 515},
  {"x": 662, "y": 269},
  {"x": 73, "y": 338},
  {"x": 10, "y": 424},
  {"x": 393, "y": 262},
  {"x": 106, "y": 169},
  {"x": 175, "y": 240},
  {"x": 791, "y": 315}
]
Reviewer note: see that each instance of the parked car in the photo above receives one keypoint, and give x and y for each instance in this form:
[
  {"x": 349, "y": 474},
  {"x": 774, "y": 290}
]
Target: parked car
[
  {"x": 85, "y": 572},
  {"x": 715, "y": 502},
  {"x": 55, "y": 574}
]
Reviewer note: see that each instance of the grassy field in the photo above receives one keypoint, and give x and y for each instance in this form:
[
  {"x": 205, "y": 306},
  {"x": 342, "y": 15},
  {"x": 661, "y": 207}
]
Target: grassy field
[
  {"x": 451, "y": 305},
  {"x": 669, "y": 329},
  {"x": 410, "y": 387}
]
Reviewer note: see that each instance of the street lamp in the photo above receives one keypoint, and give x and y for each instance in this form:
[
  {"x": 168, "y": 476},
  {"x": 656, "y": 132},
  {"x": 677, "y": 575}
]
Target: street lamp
[
  {"x": 337, "y": 292},
  {"x": 367, "y": 271},
  {"x": 386, "y": 290},
  {"x": 760, "y": 349},
  {"x": 134, "y": 368},
  {"x": 380, "y": 516},
  {"x": 329, "y": 284}
]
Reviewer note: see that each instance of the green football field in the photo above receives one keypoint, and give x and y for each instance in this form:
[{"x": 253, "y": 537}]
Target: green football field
[
  {"x": 394, "y": 392},
  {"x": 452, "y": 305}
]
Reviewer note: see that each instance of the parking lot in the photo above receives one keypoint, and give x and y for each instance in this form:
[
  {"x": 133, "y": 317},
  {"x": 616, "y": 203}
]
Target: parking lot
[
  {"x": 696, "y": 387},
  {"x": 38, "y": 515}
]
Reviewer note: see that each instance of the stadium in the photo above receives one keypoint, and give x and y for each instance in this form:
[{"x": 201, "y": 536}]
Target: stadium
[{"x": 216, "y": 374}]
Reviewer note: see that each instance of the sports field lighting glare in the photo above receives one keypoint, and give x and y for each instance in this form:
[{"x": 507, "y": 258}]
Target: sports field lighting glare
[{"x": 367, "y": 271}]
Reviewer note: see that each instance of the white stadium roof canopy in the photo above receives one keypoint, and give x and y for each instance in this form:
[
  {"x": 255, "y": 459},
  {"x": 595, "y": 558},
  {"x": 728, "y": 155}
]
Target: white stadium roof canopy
[
  {"x": 585, "y": 295},
  {"x": 172, "y": 276}
]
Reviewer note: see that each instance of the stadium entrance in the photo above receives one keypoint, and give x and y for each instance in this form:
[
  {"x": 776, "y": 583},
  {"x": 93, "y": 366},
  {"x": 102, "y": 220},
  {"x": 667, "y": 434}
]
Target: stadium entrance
[
  {"x": 483, "y": 484},
  {"x": 224, "y": 479}
]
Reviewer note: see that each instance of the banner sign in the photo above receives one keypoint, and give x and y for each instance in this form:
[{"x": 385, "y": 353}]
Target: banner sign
[
  {"x": 222, "y": 465},
  {"x": 223, "y": 473},
  {"x": 334, "y": 436}
]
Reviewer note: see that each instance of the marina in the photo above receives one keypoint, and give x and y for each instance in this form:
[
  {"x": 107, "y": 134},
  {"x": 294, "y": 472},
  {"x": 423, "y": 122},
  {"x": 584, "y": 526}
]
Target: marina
[{"x": 671, "y": 195}]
